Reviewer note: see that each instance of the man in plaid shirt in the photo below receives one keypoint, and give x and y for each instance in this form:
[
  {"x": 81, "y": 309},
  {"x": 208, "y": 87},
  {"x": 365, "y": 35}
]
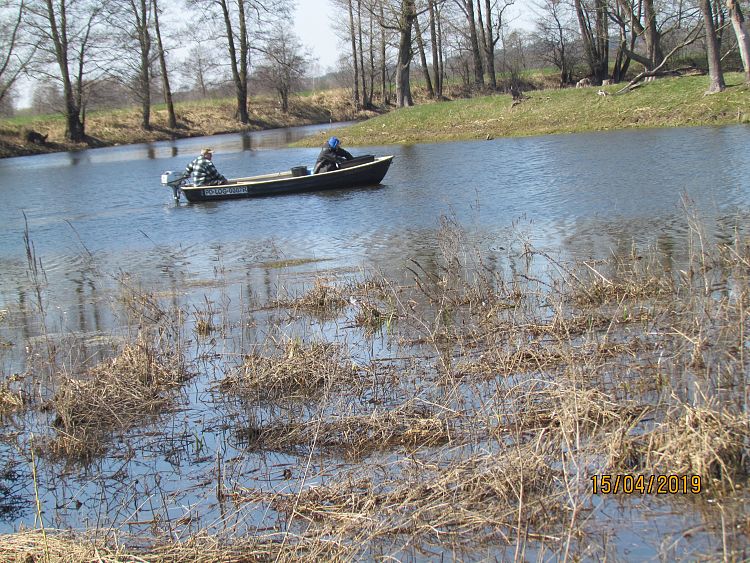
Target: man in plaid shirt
[{"x": 202, "y": 171}]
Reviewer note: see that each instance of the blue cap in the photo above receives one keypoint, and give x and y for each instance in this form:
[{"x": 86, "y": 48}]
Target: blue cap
[{"x": 333, "y": 142}]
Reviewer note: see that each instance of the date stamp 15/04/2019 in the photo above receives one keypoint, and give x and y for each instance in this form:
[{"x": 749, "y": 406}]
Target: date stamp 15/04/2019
[{"x": 618, "y": 483}]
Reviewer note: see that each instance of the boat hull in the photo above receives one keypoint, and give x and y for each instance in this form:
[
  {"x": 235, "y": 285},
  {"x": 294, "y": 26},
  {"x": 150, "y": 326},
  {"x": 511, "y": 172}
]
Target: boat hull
[{"x": 368, "y": 174}]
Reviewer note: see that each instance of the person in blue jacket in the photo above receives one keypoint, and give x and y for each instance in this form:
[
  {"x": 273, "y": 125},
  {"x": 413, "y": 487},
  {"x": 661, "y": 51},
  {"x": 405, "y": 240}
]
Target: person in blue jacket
[{"x": 330, "y": 156}]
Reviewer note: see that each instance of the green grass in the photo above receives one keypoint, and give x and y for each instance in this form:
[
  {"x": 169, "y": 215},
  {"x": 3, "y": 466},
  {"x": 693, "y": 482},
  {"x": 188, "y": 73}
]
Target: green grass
[
  {"x": 28, "y": 120},
  {"x": 668, "y": 102}
]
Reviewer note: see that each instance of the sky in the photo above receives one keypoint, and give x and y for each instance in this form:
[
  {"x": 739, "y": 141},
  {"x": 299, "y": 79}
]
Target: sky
[{"x": 312, "y": 23}]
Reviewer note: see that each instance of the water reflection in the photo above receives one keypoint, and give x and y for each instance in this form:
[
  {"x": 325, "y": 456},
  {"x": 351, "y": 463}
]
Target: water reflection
[{"x": 247, "y": 142}]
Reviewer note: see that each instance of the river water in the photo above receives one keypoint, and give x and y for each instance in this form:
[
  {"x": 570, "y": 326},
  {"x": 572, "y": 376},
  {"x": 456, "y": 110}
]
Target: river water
[
  {"x": 103, "y": 210},
  {"x": 583, "y": 195}
]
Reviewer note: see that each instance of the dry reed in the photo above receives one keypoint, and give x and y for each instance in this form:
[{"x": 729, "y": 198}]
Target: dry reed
[
  {"x": 497, "y": 395},
  {"x": 356, "y": 436},
  {"x": 295, "y": 371},
  {"x": 115, "y": 395}
]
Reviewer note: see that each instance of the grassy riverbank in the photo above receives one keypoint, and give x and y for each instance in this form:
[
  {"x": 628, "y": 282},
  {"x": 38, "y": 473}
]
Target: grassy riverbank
[
  {"x": 668, "y": 102},
  {"x": 196, "y": 119}
]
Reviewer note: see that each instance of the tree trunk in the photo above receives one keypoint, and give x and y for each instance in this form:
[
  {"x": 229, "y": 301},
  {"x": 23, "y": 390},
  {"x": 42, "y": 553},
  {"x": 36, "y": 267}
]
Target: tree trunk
[
  {"x": 596, "y": 41},
  {"x": 404, "y": 54},
  {"x": 648, "y": 30},
  {"x": 481, "y": 38},
  {"x": 353, "y": 34},
  {"x": 712, "y": 50},
  {"x": 365, "y": 100},
  {"x": 602, "y": 39},
  {"x": 743, "y": 39},
  {"x": 239, "y": 67},
  {"x": 144, "y": 38},
  {"x": 242, "y": 98},
  {"x": 74, "y": 129},
  {"x": 489, "y": 45},
  {"x": 423, "y": 59},
  {"x": 441, "y": 53},
  {"x": 651, "y": 35},
  {"x": 476, "y": 55},
  {"x": 622, "y": 59},
  {"x": 371, "y": 44},
  {"x": 383, "y": 90},
  {"x": 284, "y": 95},
  {"x": 163, "y": 66},
  {"x": 436, "y": 72}
]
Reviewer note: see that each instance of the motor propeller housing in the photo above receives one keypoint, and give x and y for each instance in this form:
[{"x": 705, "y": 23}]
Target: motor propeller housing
[{"x": 170, "y": 178}]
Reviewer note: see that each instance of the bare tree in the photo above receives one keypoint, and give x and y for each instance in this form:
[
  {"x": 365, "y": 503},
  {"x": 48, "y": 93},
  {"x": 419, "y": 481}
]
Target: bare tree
[
  {"x": 595, "y": 36},
  {"x": 467, "y": 7},
  {"x": 67, "y": 31},
  {"x": 285, "y": 64},
  {"x": 514, "y": 61},
  {"x": 198, "y": 71},
  {"x": 437, "y": 67},
  {"x": 554, "y": 26},
  {"x": 383, "y": 60},
  {"x": 423, "y": 58},
  {"x": 641, "y": 19},
  {"x": 163, "y": 66},
  {"x": 366, "y": 98},
  {"x": 493, "y": 11},
  {"x": 141, "y": 9},
  {"x": 403, "y": 65},
  {"x": 623, "y": 15},
  {"x": 740, "y": 30},
  {"x": 353, "y": 35},
  {"x": 239, "y": 24},
  {"x": 15, "y": 56},
  {"x": 235, "y": 22},
  {"x": 132, "y": 20}
]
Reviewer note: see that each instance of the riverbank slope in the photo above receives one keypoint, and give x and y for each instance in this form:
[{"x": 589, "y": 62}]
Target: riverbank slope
[
  {"x": 667, "y": 102},
  {"x": 195, "y": 119}
]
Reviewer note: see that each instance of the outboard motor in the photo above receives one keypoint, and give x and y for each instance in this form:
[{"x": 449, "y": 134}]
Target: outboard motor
[{"x": 174, "y": 181}]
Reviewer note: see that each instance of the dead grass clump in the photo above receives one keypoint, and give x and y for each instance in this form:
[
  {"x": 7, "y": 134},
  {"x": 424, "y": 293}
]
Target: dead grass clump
[
  {"x": 486, "y": 497},
  {"x": 502, "y": 362},
  {"x": 359, "y": 435},
  {"x": 323, "y": 298},
  {"x": 631, "y": 279},
  {"x": 116, "y": 394},
  {"x": 296, "y": 371},
  {"x": 372, "y": 317},
  {"x": 706, "y": 441},
  {"x": 575, "y": 410},
  {"x": 54, "y": 546},
  {"x": 10, "y": 399},
  {"x": 141, "y": 305},
  {"x": 36, "y": 545}
]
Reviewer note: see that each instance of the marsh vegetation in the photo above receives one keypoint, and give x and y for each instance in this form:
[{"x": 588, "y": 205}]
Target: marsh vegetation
[{"x": 460, "y": 408}]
